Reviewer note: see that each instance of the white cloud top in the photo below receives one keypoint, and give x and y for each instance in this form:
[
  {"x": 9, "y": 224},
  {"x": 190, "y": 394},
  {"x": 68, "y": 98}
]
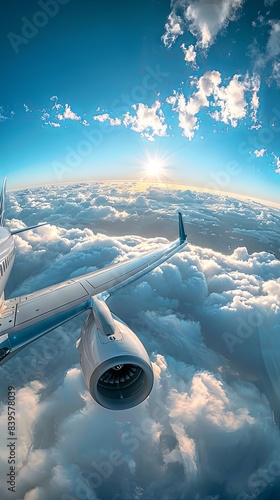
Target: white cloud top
[
  {"x": 68, "y": 114},
  {"x": 148, "y": 121},
  {"x": 271, "y": 52},
  {"x": 106, "y": 117},
  {"x": 277, "y": 161},
  {"x": 276, "y": 72},
  {"x": 173, "y": 29},
  {"x": 204, "y": 19},
  {"x": 230, "y": 99},
  {"x": 259, "y": 153},
  {"x": 189, "y": 54},
  {"x": 273, "y": 44},
  {"x": 4, "y": 116}
]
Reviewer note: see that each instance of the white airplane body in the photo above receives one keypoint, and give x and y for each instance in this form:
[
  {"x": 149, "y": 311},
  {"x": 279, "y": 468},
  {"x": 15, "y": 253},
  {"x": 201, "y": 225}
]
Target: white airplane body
[{"x": 115, "y": 364}]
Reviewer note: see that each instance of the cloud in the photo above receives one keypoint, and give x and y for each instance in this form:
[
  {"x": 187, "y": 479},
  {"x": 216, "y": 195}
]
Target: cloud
[
  {"x": 45, "y": 116},
  {"x": 230, "y": 99},
  {"x": 173, "y": 29},
  {"x": 68, "y": 114},
  {"x": 259, "y": 153},
  {"x": 57, "y": 113},
  {"x": 269, "y": 3},
  {"x": 277, "y": 161},
  {"x": 273, "y": 44},
  {"x": 209, "y": 320},
  {"x": 106, "y": 117},
  {"x": 202, "y": 18},
  {"x": 190, "y": 54},
  {"x": 56, "y": 104},
  {"x": 148, "y": 121},
  {"x": 4, "y": 116},
  {"x": 275, "y": 75},
  {"x": 254, "y": 84},
  {"x": 272, "y": 50},
  {"x": 53, "y": 124}
]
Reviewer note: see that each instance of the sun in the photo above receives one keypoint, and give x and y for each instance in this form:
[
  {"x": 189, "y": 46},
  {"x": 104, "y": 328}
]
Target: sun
[{"x": 154, "y": 168}]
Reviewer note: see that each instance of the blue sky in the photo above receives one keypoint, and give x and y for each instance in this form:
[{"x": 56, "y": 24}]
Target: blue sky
[{"x": 185, "y": 93}]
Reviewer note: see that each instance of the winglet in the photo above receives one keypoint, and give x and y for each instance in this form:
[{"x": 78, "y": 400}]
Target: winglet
[
  {"x": 182, "y": 234},
  {"x": 2, "y": 202}
]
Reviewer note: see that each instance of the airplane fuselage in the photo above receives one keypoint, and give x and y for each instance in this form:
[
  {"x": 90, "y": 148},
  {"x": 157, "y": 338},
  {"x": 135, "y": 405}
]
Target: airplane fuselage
[{"x": 7, "y": 254}]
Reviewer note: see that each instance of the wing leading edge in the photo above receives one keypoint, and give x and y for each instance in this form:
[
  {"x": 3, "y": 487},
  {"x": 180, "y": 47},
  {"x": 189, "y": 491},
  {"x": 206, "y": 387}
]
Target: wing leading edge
[{"x": 28, "y": 317}]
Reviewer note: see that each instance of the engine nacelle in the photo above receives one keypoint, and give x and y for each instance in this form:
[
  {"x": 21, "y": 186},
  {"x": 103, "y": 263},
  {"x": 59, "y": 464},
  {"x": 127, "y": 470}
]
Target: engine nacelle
[{"x": 115, "y": 364}]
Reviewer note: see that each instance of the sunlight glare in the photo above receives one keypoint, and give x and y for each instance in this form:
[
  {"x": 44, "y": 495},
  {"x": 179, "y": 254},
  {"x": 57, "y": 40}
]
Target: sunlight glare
[{"x": 154, "y": 167}]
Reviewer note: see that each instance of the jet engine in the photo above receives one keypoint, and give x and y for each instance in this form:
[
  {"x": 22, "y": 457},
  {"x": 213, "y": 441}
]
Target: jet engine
[{"x": 115, "y": 364}]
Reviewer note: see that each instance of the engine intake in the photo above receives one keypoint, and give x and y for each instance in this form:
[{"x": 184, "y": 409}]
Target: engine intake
[{"x": 116, "y": 368}]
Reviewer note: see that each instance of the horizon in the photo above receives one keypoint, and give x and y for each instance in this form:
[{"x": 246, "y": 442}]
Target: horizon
[{"x": 146, "y": 184}]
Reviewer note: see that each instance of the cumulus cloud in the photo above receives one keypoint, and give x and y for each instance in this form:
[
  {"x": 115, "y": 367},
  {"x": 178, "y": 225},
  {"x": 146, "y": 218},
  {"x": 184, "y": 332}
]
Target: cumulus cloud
[
  {"x": 189, "y": 54},
  {"x": 106, "y": 117},
  {"x": 174, "y": 28},
  {"x": 273, "y": 43},
  {"x": 275, "y": 75},
  {"x": 202, "y": 18},
  {"x": 253, "y": 84},
  {"x": 148, "y": 121},
  {"x": 68, "y": 114},
  {"x": 259, "y": 153},
  {"x": 53, "y": 124},
  {"x": 231, "y": 101},
  {"x": 270, "y": 55},
  {"x": 209, "y": 320},
  {"x": 58, "y": 113},
  {"x": 277, "y": 162},
  {"x": 4, "y": 115},
  {"x": 56, "y": 104}
]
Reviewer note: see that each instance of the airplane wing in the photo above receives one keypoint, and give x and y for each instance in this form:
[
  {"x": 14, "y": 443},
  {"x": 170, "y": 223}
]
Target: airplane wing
[{"x": 24, "y": 319}]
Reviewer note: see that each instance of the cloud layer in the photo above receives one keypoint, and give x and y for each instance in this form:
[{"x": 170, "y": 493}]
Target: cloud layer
[{"x": 209, "y": 321}]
